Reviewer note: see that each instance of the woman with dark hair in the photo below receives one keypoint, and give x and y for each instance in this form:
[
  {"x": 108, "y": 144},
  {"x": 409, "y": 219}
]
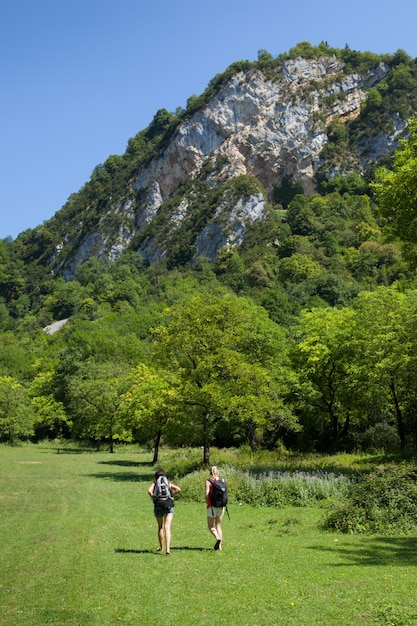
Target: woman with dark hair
[{"x": 162, "y": 493}]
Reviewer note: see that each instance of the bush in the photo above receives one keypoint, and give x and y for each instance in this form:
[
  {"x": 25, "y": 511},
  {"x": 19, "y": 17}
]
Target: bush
[
  {"x": 379, "y": 436},
  {"x": 180, "y": 462},
  {"x": 273, "y": 488},
  {"x": 383, "y": 502}
]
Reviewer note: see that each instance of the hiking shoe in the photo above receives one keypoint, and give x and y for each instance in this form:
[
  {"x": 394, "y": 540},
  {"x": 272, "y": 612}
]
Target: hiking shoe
[{"x": 217, "y": 544}]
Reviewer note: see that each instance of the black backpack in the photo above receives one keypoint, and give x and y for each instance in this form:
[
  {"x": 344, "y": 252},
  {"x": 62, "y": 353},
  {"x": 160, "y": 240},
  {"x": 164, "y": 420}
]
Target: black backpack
[
  {"x": 219, "y": 495},
  {"x": 162, "y": 495}
]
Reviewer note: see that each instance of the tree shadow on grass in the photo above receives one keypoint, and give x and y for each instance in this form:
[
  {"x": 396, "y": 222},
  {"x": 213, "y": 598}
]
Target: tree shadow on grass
[
  {"x": 176, "y": 549},
  {"x": 126, "y": 463},
  {"x": 376, "y": 551},
  {"x": 133, "y": 551},
  {"x": 125, "y": 476}
]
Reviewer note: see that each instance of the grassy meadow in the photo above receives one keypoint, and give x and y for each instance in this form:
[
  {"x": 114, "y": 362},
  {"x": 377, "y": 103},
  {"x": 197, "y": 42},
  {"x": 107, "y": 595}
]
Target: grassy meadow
[{"x": 78, "y": 547}]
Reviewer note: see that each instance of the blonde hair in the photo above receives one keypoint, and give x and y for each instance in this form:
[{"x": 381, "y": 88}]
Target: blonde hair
[{"x": 214, "y": 470}]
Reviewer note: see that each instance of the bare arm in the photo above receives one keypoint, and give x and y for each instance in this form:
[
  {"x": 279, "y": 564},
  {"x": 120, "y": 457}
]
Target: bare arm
[
  {"x": 174, "y": 488},
  {"x": 151, "y": 488},
  {"x": 208, "y": 487}
]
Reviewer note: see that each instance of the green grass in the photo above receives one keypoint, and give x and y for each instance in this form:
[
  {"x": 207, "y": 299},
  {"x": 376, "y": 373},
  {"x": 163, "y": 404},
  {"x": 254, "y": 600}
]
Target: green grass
[{"x": 78, "y": 547}]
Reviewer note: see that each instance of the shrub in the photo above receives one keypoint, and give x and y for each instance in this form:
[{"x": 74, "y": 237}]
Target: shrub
[
  {"x": 180, "y": 462},
  {"x": 383, "y": 502},
  {"x": 272, "y": 488},
  {"x": 379, "y": 436}
]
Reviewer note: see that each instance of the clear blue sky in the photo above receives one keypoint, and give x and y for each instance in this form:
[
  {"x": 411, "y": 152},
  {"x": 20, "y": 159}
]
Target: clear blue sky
[{"x": 80, "y": 77}]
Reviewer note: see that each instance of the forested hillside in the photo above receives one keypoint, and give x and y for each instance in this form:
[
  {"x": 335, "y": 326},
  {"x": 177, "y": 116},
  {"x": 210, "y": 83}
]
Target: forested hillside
[{"x": 231, "y": 283}]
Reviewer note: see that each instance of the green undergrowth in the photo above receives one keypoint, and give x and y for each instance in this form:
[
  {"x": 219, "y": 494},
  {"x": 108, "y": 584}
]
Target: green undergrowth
[
  {"x": 182, "y": 461},
  {"x": 383, "y": 502},
  {"x": 273, "y": 488}
]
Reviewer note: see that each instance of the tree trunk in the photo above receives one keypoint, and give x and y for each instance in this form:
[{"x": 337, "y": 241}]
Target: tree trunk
[
  {"x": 111, "y": 442},
  {"x": 206, "y": 454},
  {"x": 252, "y": 437},
  {"x": 206, "y": 443},
  {"x": 399, "y": 416},
  {"x": 156, "y": 445},
  {"x": 334, "y": 428}
]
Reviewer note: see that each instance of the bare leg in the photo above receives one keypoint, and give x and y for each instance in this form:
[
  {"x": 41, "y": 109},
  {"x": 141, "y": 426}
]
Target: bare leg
[
  {"x": 219, "y": 530},
  {"x": 160, "y": 521},
  {"x": 168, "y": 520},
  {"x": 211, "y": 527}
]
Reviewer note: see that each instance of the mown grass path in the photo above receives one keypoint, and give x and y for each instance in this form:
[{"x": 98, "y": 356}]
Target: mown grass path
[{"x": 78, "y": 547}]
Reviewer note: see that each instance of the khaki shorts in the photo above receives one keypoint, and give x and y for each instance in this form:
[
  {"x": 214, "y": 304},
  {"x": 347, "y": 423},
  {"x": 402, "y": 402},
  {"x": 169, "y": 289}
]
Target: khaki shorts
[{"x": 215, "y": 511}]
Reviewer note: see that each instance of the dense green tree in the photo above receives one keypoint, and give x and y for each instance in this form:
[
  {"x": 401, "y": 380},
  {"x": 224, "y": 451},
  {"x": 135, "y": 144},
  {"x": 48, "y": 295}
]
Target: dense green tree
[
  {"x": 95, "y": 397},
  {"x": 16, "y": 421},
  {"x": 150, "y": 405},
  {"x": 231, "y": 362},
  {"x": 298, "y": 267},
  {"x": 230, "y": 268},
  {"x": 352, "y": 183},
  {"x": 49, "y": 415},
  {"x": 115, "y": 337},
  {"x": 264, "y": 55},
  {"x": 160, "y": 123},
  {"x": 386, "y": 351},
  {"x": 326, "y": 393},
  {"x": 357, "y": 368},
  {"x": 396, "y": 189},
  {"x": 301, "y": 216},
  {"x": 65, "y": 299},
  {"x": 89, "y": 272},
  {"x": 281, "y": 309},
  {"x": 19, "y": 349}
]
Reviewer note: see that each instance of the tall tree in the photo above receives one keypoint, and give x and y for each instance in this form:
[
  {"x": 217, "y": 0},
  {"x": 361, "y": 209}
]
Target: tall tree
[
  {"x": 15, "y": 420},
  {"x": 396, "y": 190},
  {"x": 150, "y": 404},
  {"x": 386, "y": 351},
  {"x": 324, "y": 358},
  {"x": 95, "y": 396},
  {"x": 50, "y": 418},
  {"x": 231, "y": 362}
]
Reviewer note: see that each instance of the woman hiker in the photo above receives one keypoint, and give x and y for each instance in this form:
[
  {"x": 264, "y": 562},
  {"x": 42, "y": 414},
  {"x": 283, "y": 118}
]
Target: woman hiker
[
  {"x": 162, "y": 491},
  {"x": 214, "y": 513}
]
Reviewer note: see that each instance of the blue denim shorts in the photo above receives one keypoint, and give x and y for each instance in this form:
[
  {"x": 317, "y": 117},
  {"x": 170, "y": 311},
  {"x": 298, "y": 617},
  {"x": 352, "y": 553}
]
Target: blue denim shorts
[{"x": 161, "y": 512}]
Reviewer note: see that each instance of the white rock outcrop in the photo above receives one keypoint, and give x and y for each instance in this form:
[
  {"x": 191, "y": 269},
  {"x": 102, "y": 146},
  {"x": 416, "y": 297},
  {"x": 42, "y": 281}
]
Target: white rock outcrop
[{"x": 256, "y": 126}]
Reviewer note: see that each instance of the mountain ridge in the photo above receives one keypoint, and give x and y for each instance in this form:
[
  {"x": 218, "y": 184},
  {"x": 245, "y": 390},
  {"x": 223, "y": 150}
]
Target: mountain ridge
[{"x": 269, "y": 122}]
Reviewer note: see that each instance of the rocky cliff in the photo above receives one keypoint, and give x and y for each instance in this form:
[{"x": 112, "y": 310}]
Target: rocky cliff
[{"x": 258, "y": 127}]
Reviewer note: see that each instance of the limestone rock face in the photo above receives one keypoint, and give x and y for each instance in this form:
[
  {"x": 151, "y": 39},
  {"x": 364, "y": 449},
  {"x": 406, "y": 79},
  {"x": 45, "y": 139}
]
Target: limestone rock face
[
  {"x": 265, "y": 128},
  {"x": 228, "y": 226},
  {"x": 268, "y": 128}
]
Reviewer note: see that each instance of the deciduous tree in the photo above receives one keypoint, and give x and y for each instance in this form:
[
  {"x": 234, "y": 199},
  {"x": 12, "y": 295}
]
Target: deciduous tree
[
  {"x": 15, "y": 419},
  {"x": 150, "y": 403},
  {"x": 396, "y": 189},
  {"x": 95, "y": 396},
  {"x": 324, "y": 357},
  {"x": 386, "y": 352},
  {"x": 231, "y": 362}
]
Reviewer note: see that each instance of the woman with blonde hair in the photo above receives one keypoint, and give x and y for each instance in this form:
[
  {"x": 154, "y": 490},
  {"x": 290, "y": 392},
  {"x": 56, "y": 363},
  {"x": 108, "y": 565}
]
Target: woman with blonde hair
[{"x": 214, "y": 513}]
